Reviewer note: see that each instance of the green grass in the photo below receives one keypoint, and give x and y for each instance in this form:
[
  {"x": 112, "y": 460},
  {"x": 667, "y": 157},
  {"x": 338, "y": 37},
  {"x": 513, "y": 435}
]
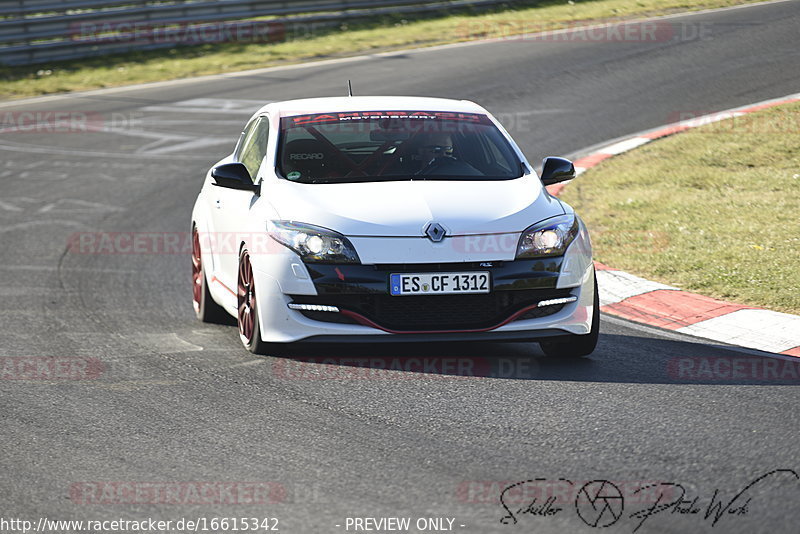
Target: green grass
[
  {"x": 715, "y": 210},
  {"x": 387, "y": 33}
]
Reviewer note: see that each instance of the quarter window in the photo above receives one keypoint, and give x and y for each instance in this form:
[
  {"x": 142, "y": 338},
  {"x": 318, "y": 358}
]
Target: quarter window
[{"x": 254, "y": 146}]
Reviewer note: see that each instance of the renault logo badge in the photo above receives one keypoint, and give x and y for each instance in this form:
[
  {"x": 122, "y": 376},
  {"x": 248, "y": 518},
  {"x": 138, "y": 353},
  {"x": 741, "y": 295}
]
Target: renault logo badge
[{"x": 435, "y": 232}]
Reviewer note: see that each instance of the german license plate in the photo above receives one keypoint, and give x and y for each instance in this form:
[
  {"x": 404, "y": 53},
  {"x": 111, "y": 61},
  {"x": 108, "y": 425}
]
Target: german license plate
[{"x": 404, "y": 284}]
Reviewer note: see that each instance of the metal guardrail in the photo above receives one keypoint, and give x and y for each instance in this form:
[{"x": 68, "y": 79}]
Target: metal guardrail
[{"x": 36, "y": 31}]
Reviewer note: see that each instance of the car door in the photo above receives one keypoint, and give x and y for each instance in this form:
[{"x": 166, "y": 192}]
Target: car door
[{"x": 231, "y": 206}]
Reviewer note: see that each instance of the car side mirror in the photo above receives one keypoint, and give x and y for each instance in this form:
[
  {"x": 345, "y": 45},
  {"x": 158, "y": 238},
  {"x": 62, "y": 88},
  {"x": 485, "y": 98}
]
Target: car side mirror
[
  {"x": 555, "y": 170},
  {"x": 233, "y": 176}
]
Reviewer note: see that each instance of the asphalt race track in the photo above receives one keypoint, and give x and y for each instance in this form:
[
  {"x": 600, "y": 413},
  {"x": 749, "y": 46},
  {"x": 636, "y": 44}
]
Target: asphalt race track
[{"x": 176, "y": 401}]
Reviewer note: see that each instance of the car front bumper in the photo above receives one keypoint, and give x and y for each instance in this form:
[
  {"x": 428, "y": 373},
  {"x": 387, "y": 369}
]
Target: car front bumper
[{"x": 367, "y": 312}]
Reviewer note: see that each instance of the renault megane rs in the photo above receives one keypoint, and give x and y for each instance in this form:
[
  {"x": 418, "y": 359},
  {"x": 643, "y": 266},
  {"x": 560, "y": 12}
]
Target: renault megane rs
[{"x": 390, "y": 219}]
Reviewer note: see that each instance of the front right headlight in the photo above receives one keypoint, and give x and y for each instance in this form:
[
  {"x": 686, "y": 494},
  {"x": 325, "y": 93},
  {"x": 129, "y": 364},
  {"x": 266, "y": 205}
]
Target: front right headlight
[
  {"x": 550, "y": 237},
  {"x": 313, "y": 243}
]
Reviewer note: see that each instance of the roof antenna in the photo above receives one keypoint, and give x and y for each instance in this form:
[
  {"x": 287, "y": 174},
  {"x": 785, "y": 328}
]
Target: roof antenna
[{"x": 349, "y": 88}]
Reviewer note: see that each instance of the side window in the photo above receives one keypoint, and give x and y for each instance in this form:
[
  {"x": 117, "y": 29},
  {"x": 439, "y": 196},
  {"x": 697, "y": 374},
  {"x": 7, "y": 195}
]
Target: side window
[
  {"x": 254, "y": 146},
  {"x": 237, "y": 152}
]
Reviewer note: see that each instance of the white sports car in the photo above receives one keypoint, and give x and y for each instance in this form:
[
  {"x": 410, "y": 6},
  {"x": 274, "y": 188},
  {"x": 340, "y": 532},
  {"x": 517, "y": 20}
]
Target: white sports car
[{"x": 369, "y": 219}]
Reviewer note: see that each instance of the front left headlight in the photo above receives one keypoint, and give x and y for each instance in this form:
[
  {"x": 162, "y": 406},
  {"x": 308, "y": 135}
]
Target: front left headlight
[
  {"x": 550, "y": 237},
  {"x": 313, "y": 243}
]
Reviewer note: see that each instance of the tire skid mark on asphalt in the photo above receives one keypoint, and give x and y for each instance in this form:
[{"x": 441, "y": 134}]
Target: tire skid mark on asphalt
[
  {"x": 18, "y": 290},
  {"x": 27, "y": 225},
  {"x": 19, "y": 168},
  {"x": 160, "y": 143},
  {"x": 37, "y": 149},
  {"x": 163, "y": 343},
  {"x": 163, "y": 142},
  {"x": 189, "y": 144},
  {"x": 259, "y": 361},
  {"x": 114, "y": 172},
  {"x": 166, "y": 153},
  {"x": 225, "y": 106},
  {"x": 76, "y": 205},
  {"x": 58, "y": 207}
]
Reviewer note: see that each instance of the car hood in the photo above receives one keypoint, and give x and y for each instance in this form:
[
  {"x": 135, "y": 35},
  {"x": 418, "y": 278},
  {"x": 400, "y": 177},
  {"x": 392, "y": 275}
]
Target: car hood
[{"x": 404, "y": 208}]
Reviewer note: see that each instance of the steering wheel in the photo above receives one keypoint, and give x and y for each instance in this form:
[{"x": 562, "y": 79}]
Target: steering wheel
[{"x": 435, "y": 163}]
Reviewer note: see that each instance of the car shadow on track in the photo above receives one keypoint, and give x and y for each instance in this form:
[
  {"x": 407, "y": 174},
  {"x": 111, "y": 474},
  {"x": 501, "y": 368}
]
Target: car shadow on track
[{"x": 618, "y": 358}]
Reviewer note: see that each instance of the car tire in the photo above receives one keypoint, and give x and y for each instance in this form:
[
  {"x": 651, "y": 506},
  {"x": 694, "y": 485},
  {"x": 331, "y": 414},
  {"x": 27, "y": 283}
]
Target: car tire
[
  {"x": 205, "y": 308},
  {"x": 577, "y": 346},
  {"x": 247, "y": 307}
]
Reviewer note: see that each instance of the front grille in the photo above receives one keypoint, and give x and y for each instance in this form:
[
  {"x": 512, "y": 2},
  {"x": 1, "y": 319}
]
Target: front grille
[
  {"x": 433, "y": 267},
  {"x": 435, "y": 312}
]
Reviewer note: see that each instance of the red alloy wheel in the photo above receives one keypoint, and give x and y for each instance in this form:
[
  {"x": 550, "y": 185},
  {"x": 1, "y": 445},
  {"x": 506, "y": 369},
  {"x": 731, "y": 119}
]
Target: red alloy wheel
[
  {"x": 246, "y": 296},
  {"x": 197, "y": 271}
]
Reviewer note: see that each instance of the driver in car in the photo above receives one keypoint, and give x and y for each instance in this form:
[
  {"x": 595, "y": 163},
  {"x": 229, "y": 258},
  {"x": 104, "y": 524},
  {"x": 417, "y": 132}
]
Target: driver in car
[
  {"x": 432, "y": 146},
  {"x": 436, "y": 156},
  {"x": 431, "y": 154}
]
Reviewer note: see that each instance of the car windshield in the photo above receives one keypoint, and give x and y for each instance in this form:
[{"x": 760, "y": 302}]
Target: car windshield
[{"x": 394, "y": 145}]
